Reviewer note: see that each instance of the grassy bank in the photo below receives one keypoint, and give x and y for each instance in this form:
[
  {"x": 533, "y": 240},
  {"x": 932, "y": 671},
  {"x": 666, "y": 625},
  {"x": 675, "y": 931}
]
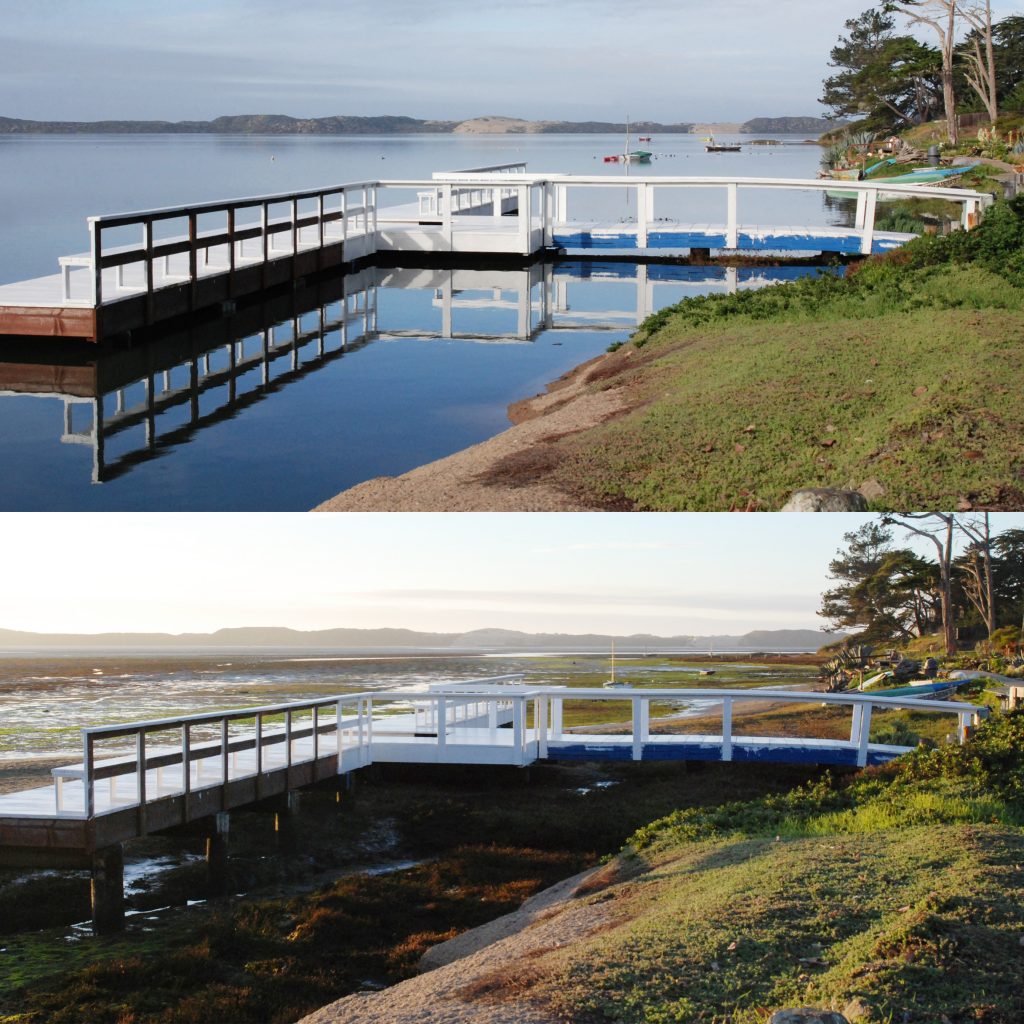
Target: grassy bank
[
  {"x": 896, "y": 895},
  {"x": 485, "y": 841},
  {"x": 902, "y": 376}
]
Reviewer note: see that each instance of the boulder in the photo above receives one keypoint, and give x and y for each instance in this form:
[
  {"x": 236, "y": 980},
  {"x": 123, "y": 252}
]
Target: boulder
[
  {"x": 807, "y": 1016},
  {"x": 825, "y": 499}
]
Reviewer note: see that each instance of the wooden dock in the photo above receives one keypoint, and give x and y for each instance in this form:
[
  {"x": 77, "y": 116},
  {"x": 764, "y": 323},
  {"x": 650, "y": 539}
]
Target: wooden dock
[
  {"x": 143, "y": 777},
  {"x": 156, "y": 265}
]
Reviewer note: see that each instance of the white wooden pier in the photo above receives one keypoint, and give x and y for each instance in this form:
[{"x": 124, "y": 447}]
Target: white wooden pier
[
  {"x": 146, "y": 267},
  {"x": 143, "y": 777}
]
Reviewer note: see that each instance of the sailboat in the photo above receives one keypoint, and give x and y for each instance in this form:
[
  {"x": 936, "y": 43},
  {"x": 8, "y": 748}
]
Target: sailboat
[
  {"x": 612, "y": 684},
  {"x": 634, "y": 156}
]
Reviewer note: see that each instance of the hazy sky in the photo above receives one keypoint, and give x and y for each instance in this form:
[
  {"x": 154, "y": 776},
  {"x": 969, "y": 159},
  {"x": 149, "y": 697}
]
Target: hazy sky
[
  {"x": 603, "y": 572},
  {"x": 667, "y": 60}
]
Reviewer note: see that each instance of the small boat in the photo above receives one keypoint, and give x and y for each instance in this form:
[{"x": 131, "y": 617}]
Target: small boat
[
  {"x": 611, "y": 683},
  {"x": 638, "y": 156},
  {"x": 612, "y": 159},
  {"x": 714, "y": 147},
  {"x": 643, "y": 138}
]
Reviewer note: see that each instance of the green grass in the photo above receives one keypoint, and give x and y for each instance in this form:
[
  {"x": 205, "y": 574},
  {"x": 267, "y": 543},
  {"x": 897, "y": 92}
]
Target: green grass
[
  {"x": 906, "y": 373},
  {"x": 899, "y": 888}
]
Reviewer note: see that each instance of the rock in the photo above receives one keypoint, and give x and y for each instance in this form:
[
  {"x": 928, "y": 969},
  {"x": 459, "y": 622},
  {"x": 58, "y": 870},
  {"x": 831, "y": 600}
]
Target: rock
[
  {"x": 825, "y": 499},
  {"x": 806, "y": 1015},
  {"x": 856, "y": 1009},
  {"x": 872, "y": 489}
]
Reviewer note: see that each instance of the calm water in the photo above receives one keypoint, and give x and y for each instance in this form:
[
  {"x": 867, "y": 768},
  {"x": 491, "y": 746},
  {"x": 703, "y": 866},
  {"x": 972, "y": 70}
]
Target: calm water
[{"x": 411, "y": 366}]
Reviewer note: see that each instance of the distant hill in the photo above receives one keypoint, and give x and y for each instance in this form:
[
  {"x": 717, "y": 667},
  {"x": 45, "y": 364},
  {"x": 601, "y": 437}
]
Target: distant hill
[
  {"x": 342, "y": 124},
  {"x": 787, "y": 126},
  {"x": 256, "y": 637}
]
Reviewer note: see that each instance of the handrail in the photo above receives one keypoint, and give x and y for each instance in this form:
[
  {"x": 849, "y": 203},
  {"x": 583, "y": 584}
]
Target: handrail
[
  {"x": 450, "y": 192},
  {"x": 438, "y": 709}
]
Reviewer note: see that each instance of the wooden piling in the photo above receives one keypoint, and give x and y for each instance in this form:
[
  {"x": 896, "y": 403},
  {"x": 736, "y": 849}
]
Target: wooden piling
[{"x": 106, "y": 891}]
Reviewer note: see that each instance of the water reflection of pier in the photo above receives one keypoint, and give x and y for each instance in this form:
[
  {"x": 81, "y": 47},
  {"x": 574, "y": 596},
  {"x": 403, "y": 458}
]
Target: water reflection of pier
[{"x": 130, "y": 404}]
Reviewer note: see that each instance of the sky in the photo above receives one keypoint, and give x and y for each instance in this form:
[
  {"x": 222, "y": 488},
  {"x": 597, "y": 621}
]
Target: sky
[
  {"x": 621, "y": 573},
  {"x": 663, "y": 60}
]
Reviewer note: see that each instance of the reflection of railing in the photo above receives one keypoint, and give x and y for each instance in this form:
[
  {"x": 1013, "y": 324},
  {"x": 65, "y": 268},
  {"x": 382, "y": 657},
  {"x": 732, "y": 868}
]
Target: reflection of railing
[{"x": 132, "y": 404}]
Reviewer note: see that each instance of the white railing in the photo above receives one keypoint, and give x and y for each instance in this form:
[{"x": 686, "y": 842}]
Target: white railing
[
  {"x": 474, "y": 199},
  {"x": 344, "y": 212},
  {"x": 433, "y": 724},
  {"x": 247, "y": 232}
]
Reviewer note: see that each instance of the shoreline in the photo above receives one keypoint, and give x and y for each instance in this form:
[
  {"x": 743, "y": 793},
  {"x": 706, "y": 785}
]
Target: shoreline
[{"x": 497, "y": 475}]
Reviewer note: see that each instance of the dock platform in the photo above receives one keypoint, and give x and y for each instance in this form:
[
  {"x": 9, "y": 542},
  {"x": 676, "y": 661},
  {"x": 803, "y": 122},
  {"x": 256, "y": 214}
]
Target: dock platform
[
  {"x": 144, "y": 777},
  {"x": 156, "y": 265}
]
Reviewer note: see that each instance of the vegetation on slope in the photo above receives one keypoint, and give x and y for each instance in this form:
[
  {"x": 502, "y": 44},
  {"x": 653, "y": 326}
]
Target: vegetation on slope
[
  {"x": 902, "y": 375},
  {"x": 895, "y": 896}
]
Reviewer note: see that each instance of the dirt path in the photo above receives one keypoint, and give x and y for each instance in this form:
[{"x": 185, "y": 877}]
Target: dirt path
[{"x": 498, "y": 474}]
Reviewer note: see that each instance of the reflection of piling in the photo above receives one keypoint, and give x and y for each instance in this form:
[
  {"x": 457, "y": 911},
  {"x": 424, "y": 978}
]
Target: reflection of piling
[
  {"x": 107, "y": 890},
  {"x": 217, "y": 873}
]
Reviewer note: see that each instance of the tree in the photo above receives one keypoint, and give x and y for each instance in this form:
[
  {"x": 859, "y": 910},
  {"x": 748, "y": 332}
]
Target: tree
[
  {"x": 981, "y": 56},
  {"x": 976, "y": 564},
  {"x": 884, "y": 593},
  {"x": 1008, "y": 39},
  {"x": 891, "y": 81},
  {"x": 941, "y": 17},
  {"x": 938, "y": 527},
  {"x": 1008, "y": 577}
]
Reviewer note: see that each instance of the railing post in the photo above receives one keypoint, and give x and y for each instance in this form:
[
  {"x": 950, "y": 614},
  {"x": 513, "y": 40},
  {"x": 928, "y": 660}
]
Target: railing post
[
  {"x": 518, "y": 707},
  {"x": 186, "y": 764},
  {"x": 862, "y": 201},
  {"x": 867, "y": 235},
  {"x": 525, "y": 202},
  {"x": 338, "y": 733},
  {"x": 88, "y": 792},
  {"x": 540, "y": 709},
  {"x": 442, "y": 726},
  {"x": 727, "y": 729},
  {"x": 964, "y": 730},
  {"x": 556, "y": 718},
  {"x": 641, "y": 214},
  {"x": 865, "y": 735},
  {"x": 855, "y": 723},
  {"x": 446, "y": 216},
  {"x": 96, "y": 248},
  {"x": 638, "y": 729},
  {"x": 225, "y": 761},
  {"x": 288, "y": 737},
  {"x": 732, "y": 216},
  {"x": 259, "y": 746},
  {"x": 561, "y": 204},
  {"x": 316, "y": 732}
]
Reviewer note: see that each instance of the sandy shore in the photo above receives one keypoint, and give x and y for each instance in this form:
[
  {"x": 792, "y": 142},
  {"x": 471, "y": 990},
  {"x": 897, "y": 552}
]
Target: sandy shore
[{"x": 497, "y": 475}]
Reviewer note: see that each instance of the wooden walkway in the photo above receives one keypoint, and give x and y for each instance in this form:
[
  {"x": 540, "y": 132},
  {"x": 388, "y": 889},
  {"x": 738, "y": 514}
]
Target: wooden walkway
[
  {"x": 145, "y": 777},
  {"x": 154, "y": 265}
]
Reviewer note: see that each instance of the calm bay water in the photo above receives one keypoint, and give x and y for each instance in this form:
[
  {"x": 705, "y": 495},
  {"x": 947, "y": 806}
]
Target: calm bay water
[{"x": 427, "y": 368}]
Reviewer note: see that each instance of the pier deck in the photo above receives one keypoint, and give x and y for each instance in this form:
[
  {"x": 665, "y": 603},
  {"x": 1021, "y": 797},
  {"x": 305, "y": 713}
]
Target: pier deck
[
  {"x": 147, "y": 267},
  {"x": 146, "y": 777}
]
